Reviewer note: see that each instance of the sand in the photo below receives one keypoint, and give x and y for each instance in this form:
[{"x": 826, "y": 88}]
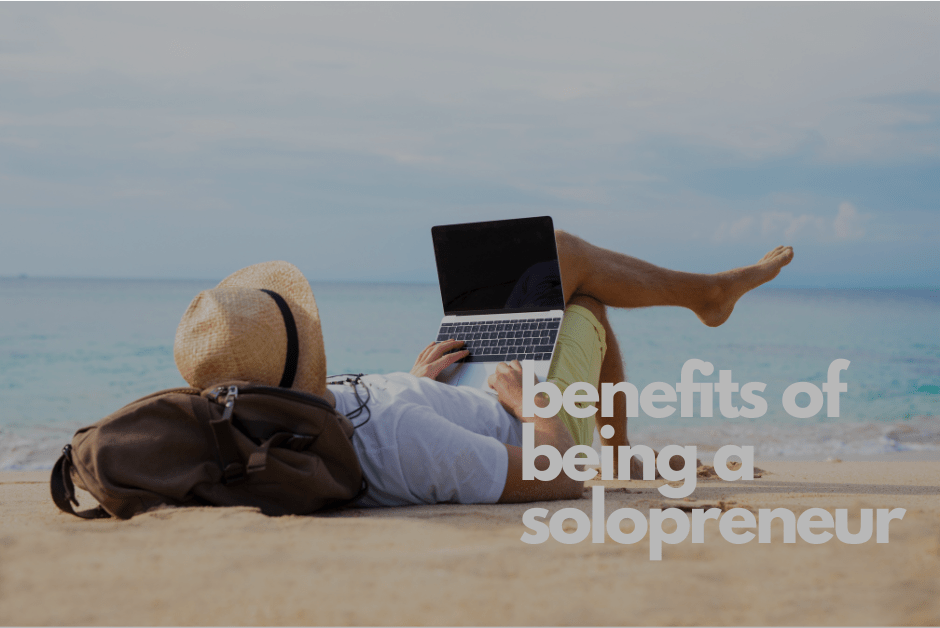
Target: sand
[{"x": 446, "y": 564}]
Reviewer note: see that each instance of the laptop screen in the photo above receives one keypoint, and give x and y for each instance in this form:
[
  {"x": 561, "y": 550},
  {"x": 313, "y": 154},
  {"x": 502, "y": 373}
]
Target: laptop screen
[{"x": 503, "y": 266}]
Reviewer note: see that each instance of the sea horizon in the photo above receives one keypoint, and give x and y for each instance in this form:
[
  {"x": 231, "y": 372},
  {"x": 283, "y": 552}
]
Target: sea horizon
[{"x": 779, "y": 284}]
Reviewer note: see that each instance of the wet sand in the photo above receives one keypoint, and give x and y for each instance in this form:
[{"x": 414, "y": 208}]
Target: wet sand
[{"x": 459, "y": 565}]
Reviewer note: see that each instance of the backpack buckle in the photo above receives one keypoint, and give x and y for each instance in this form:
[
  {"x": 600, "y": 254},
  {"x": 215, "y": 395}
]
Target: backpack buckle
[{"x": 233, "y": 473}]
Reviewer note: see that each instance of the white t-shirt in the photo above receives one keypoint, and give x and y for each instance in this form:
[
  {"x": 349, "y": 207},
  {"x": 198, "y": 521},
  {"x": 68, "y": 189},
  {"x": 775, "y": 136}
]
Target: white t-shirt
[{"x": 428, "y": 442}]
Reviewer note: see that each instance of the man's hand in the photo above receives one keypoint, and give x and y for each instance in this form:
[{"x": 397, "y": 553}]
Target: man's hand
[
  {"x": 435, "y": 358},
  {"x": 507, "y": 382}
]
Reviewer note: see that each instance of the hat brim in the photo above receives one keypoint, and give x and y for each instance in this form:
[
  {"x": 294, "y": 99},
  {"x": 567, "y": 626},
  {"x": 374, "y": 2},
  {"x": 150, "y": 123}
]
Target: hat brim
[{"x": 286, "y": 280}]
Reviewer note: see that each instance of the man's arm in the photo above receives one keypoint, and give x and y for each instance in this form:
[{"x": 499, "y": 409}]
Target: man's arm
[{"x": 507, "y": 382}]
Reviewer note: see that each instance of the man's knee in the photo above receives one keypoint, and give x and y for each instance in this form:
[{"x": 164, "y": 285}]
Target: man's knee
[
  {"x": 595, "y": 307},
  {"x": 568, "y": 247},
  {"x": 563, "y": 241}
]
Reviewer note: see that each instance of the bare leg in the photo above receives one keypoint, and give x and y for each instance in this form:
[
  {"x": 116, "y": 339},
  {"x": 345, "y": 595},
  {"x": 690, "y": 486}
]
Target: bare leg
[
  {"x": 618, "y": 280},
  {"x": 594, "y": 278}
]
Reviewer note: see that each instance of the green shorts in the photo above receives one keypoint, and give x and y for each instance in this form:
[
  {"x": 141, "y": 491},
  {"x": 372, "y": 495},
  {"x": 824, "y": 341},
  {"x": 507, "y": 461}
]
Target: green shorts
[{"x": 582, "y": 343}]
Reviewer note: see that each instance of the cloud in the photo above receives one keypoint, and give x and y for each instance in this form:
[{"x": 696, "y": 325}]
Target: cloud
[
  {"x": 737, "y": 230},
  {"x": 847, "y": 225},
  {"x": 805, "y": 224},
  {"x": 773, "y": 222}
]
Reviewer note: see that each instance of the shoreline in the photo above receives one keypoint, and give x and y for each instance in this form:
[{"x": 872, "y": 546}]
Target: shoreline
[
  {"x": 927, "y": 455},
  {"x": 914, "y": 439}
]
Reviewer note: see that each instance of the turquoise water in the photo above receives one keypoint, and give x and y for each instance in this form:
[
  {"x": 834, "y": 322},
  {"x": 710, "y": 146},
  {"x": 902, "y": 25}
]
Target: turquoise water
[{"x": 72, "y": 351}]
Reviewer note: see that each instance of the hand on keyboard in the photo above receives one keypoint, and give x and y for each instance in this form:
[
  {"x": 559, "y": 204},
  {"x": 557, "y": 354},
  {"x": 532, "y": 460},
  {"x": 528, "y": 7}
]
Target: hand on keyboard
[{"x": 437, "y": 356}]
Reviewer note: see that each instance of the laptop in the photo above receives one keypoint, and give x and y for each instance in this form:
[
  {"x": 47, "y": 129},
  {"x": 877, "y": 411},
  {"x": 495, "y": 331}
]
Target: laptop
[{"x": 502, "y": 295}]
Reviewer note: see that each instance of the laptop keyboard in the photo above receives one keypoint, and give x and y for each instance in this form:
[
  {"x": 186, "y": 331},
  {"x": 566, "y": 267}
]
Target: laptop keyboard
[{"x": 504, "y": 341}]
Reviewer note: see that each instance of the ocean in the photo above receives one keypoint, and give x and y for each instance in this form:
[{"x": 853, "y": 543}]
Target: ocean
[{"x": 74, "y": 350}]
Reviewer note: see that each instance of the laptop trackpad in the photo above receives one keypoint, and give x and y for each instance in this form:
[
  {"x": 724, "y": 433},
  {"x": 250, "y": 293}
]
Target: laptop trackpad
[{"x": 475, "y": 374}]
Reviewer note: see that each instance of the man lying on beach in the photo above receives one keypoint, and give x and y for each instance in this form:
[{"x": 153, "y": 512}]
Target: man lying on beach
[{"x": 426, "y": 442}]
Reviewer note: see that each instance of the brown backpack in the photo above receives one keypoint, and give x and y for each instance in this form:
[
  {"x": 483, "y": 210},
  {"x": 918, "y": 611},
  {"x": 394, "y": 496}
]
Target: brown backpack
[{"x": 238, "y": 444}]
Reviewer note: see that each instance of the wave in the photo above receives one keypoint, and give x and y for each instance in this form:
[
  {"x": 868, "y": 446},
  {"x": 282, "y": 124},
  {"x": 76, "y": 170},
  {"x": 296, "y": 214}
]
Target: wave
[
  {"x": 802, "y": 442},
  {"x": 36, "y": 449}
]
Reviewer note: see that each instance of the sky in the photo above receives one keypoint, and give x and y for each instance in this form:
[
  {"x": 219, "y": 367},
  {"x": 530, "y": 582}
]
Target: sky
[{"x": 189, "y": 140}]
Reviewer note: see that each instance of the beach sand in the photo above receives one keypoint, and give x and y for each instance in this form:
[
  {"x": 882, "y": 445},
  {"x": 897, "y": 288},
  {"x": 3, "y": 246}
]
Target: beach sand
[{"x": 447, "y": 564}]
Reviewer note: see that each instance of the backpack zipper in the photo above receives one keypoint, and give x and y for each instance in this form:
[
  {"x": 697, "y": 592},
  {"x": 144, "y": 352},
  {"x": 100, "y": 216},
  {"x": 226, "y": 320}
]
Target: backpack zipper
[
  {"x": 230, "y": 397},
  {"x": 221, "y": 394}
]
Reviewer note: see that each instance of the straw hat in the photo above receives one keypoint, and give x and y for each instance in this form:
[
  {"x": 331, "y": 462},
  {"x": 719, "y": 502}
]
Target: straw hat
[{"x": 238, "y": 331}]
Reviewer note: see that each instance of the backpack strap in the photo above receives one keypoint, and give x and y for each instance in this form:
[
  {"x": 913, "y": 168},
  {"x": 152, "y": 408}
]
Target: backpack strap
[
  {"x": 233, "y": 470},
  {"x": 63, "y": 490},
  {"x": 363, "y": 489},
  {"x": 258, "y": 460}
]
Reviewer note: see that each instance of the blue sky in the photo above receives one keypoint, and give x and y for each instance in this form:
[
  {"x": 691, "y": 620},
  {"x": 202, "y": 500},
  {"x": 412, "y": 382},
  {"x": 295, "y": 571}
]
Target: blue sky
[{"x": 189, "y": 140}]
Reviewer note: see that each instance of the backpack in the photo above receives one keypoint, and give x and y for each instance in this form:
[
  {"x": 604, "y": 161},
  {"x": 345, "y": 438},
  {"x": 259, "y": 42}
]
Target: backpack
[{"x": 238, "y": 444}]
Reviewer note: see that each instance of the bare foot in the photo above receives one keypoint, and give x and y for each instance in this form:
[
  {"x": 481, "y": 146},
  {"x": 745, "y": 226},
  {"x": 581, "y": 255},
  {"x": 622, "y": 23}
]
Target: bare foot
[{"x": 733, "y": 284}]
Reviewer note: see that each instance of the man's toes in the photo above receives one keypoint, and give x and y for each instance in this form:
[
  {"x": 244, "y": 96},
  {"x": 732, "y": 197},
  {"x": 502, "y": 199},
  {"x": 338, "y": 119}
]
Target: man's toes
[
  {"x": 783, "y": 256},
  {"x": 780, "y": 255},
  {"x": 771, "y": 254}
]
